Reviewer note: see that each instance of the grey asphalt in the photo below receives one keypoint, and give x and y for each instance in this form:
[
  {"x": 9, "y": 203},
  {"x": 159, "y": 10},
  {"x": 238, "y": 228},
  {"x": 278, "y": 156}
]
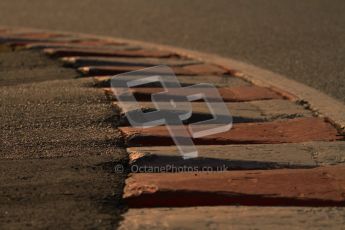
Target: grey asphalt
[
  {"x": 301, "y": 39},
  {"x": 57, "y": 148}
]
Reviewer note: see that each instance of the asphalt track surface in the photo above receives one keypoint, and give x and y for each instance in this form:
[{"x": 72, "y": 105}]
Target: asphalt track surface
[
  {"x": 57, "y": 148},
  {"x": 301, "y": 39}
]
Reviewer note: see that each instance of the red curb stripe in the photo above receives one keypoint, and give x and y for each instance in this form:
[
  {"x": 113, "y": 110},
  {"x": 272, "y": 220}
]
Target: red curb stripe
[
  {"x": 285, "y": 94},
  {"x": 114, "y": 53},
  {"x": 218, "y": 81},
  {"x": 120, "y": 61},
  {"x": 322, "y": 186},
  {"x": 206, "y": 69},
  {"x": 231, "y": 94},
  {"x": 283, "y": 131},
  {"x": 3, "y": 31},
  {"x": 198, "y": 69}
]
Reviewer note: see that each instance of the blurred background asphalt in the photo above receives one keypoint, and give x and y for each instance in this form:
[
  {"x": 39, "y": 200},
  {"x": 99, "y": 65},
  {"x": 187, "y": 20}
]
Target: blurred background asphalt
[{"x": 301, "y": 39}]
